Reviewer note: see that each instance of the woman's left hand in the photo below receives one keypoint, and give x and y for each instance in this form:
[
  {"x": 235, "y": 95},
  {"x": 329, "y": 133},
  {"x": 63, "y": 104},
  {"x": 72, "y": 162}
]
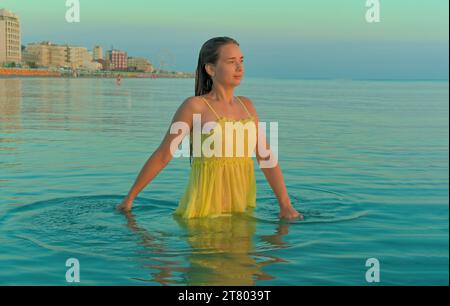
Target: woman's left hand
[
  {"x": 126, "y": 205},
  {"x": 289, "y": 212}
]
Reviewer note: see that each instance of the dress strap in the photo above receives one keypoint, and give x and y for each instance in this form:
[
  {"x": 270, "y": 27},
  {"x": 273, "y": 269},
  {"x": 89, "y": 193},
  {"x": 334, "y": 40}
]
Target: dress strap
[
  {"x": 218, "y": 117},
  {"x": 244, "y": 106}
]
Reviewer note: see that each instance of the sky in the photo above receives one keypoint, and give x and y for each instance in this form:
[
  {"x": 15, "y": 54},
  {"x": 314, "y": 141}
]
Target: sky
[{"x": 280, "y": 39}]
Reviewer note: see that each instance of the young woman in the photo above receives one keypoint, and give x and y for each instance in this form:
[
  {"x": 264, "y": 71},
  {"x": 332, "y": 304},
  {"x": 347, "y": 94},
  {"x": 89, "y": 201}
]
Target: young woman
[{"x": 217, "y": 185}]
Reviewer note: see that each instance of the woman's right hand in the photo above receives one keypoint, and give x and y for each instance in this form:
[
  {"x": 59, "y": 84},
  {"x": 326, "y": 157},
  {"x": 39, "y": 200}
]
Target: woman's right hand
[{"x": 126, "y": 205}]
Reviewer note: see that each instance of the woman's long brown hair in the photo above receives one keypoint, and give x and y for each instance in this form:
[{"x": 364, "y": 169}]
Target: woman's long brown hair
[{"x": 209, "y": 54}]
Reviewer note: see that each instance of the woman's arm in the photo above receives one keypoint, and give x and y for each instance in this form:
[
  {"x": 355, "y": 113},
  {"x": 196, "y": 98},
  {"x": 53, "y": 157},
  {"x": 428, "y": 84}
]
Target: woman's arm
[
  {"x": 275, "y": 178},
  {"x": 163, "y": 155},
  {"x": 273, "y": 174}
]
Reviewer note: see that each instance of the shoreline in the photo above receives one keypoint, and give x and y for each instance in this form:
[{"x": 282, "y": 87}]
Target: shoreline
[{"x": 30, "y": 73}]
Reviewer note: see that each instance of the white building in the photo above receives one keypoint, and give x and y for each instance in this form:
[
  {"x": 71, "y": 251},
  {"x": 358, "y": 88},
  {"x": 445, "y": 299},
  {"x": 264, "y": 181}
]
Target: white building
[{"x": 10, "y": 40}]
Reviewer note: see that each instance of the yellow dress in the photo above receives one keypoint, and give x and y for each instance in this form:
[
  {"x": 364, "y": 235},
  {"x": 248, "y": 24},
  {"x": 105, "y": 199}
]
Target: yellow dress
[{"x": 221, "y": 185}]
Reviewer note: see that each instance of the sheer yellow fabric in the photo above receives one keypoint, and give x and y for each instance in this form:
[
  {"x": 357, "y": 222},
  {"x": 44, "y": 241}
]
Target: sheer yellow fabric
[
  {"x": 223, "y": 185},
  {"x": 213, "y": 238}
]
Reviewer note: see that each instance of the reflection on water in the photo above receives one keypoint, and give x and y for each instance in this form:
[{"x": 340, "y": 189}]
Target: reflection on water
[
  {"x": 61, "y": 104},
  {"x": 367, "y": 165},
  {"x": 10, "y": 116},
  {"x": 222, "y": 251},
  {"x": 10, "y": 102}
]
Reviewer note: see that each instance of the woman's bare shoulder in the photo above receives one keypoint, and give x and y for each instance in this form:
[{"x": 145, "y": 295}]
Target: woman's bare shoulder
[
  {"x": 249, "y": 104},
  {"x": 192, "y": 104}
]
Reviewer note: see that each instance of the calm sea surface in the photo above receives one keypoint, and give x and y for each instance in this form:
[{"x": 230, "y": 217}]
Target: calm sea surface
[{"x": 367, "y": 163}]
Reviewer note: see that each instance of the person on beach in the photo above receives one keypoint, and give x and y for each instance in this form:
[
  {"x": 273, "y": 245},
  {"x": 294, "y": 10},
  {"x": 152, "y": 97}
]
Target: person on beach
[
  {"x": 119, "y": 80},
  {"x": 218, "y": 185}
]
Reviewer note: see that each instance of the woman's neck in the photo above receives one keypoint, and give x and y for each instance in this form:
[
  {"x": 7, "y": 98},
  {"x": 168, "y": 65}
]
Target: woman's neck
[{"x": 222, "y": 95}]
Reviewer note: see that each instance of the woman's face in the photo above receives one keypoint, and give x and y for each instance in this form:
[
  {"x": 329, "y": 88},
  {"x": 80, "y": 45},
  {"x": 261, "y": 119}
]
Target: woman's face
[{"x": 229, "y": 68}]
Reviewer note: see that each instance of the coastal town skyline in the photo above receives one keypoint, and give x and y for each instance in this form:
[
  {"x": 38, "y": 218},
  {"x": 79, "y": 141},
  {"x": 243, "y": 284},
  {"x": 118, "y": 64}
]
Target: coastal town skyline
[
  {"x": 282, "y": 41},
  {"x": 46, "y": 54}
]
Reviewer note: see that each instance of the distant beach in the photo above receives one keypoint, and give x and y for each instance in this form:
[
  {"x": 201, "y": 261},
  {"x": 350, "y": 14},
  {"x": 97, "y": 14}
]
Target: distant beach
[{"x": 21, "y": 72}]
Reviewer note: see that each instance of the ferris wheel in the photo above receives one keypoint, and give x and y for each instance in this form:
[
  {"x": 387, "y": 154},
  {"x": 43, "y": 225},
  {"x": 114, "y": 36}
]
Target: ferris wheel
[{"x": 165, "y": 60}]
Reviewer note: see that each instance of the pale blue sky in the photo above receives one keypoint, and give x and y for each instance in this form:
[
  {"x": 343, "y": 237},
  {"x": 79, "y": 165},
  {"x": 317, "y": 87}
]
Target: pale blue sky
[{"x": 282, "y": 39}]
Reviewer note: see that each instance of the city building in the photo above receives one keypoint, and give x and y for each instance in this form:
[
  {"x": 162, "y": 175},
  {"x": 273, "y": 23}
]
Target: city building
[
  {"x": 10, "y": 39},
  {"x": 92, "y": 66},
  {"x": 106, "y": 64},
  {"x": 47, "y": 54},
  {"x": 139, "y": 64},
  {"x": 77, "y": 56},
  {"x": 97, "y": 53},
  {"x": 119, "y": 59}
]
